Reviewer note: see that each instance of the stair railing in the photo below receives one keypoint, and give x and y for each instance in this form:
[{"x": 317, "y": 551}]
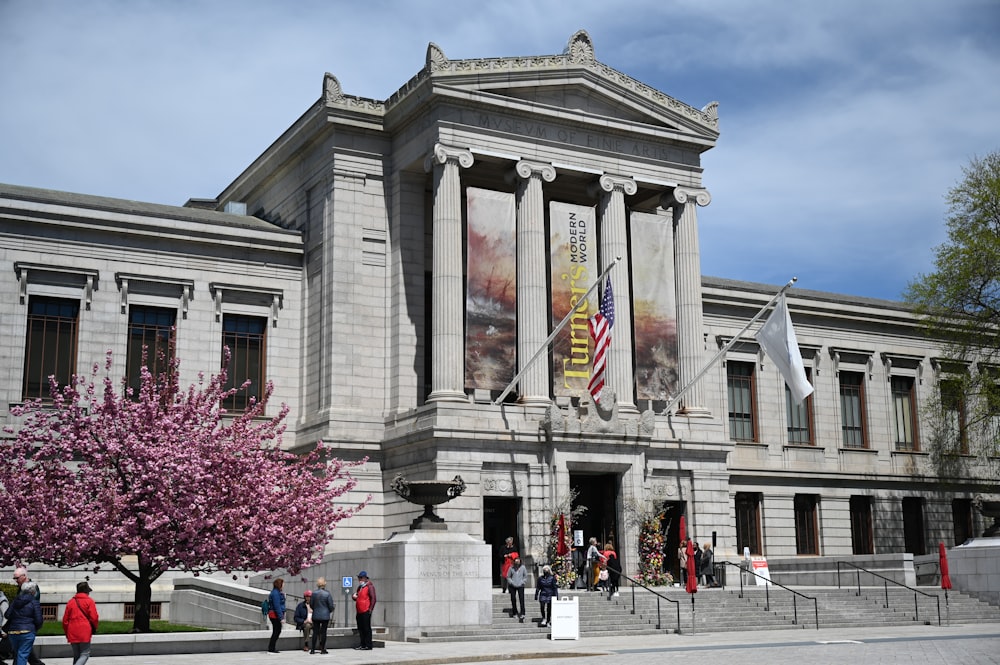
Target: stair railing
[
  {"x": 767, "y": 593},
  {"x": 659, "y": 623},
  {"x": 885, "y": 585}
]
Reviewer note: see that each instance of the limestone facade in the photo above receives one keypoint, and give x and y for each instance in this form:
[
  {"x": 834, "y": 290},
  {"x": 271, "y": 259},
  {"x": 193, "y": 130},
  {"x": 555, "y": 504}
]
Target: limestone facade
[{"x": 355, "y": 249}]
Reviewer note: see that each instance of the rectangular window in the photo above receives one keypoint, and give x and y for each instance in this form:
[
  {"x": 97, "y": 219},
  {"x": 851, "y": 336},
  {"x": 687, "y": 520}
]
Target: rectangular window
[
  {"x": 155, "y": 611},
  {"x": 748, "y": 523},
  {"x": 961, "y": 518},
  {"x": 742, "y": 401},
  {"x": 954, "y": 415},
  {"x": 913, "y": 525},
  {"x": 800, "y": 418},
  {"x": 50, "y": 344},
  {"x": 806, "y": 524},
  {"x": 904, "y": 412},
  {"x": 245, "y": 336},
  {"x": 150, "y": 333},
  {"x": 862, "y": 540},
  {"x": 852, "y": 409}
]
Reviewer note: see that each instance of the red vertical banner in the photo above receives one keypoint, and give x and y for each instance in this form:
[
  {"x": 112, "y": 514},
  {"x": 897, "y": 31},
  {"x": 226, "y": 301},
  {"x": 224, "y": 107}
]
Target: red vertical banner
[
  {"x": 654, "y": 306},
  {"x": 491, "y": 293},
  {"x": 573, "y": 257}
]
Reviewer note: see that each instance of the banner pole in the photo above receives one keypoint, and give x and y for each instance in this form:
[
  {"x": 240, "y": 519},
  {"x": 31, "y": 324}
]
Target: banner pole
[
  {"x": 729, "y": 345},
  {"x": 552, "y": 335}
]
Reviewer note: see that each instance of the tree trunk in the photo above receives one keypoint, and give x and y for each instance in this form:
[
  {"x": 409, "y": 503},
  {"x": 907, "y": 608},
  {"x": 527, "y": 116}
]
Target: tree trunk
[{"x": 143, "y": 598}]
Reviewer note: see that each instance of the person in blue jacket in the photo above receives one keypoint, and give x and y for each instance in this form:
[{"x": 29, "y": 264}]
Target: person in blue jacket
[
  {"x": 276, "y": 613},
  {"x": 24, "y": 619}
]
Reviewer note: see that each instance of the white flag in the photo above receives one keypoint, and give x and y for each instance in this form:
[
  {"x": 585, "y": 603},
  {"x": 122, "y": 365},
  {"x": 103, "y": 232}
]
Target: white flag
[{"x": 777, "y": 338}]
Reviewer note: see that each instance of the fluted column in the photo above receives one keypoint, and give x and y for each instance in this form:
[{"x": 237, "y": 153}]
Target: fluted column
[
  {"x": 614, "y": 243},
  {"x": 447, "y": 310},
  {"x": 687, "y": 262},
  {"x": 532, "y": 291}
]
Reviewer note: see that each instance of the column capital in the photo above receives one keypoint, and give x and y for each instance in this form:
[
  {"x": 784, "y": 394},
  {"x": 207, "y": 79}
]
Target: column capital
[
  {"x": 609, "y": 183},
  {"x": 682, "y": 195},
  {"x": 524, "y": 169},
  {"x": 441, "y": 154}
]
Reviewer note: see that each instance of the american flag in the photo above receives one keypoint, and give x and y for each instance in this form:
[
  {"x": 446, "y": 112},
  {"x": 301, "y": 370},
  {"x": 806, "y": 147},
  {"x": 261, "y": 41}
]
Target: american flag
[{"x": 600, "y": 325}]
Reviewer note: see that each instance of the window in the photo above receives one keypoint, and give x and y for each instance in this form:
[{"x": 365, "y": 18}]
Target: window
[
  {"x": 961, "y": 518},
  {"x": 50, "y": 611},
  {"x": 742, "y": 406},
  {"x": 852, "y": 409},
  {"x": 953, "y": 413},
  {"x": 150, "y": 332},
  {"x": 800, "y": 419},
  {"x": 155, "y": 611},
  {"x": 806, "y": 524},
  {"x": 904, "y": 412},
  {"x": 50, "y": 344},
  {"x": 913, "y": 525},
  {"x": 245, "y": 336},
  {"x": 748, "y": 523},
  {"x": 862, "y": 540}
]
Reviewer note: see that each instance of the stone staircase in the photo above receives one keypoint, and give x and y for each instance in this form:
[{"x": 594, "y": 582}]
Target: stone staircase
[{"x": 719, "y": 610}]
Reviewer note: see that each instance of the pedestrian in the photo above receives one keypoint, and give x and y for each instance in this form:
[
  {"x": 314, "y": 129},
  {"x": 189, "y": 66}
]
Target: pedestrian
[
  {"x": 5, "y": 648},
  {"x": 322, "y": 607},
  {"x": 593, "y": 565},
  {"x": 304, "y": 618},
  {"x": 546, "y": 589},
  {"x": 24, "y": 619},
  {"x": 614, "y": 569},
  {"x": 364, "y": 605},
  {"x": 697, "y": 563},
  {"x": 21, "y": 576},
  {"x": 276, "y": 613},
  {"x": 708, "y": 566},
  {"x": 80, "y": 621},
  {"x": 507, "y": 555},
  {"x": 682, "y": 559},
  {"x": 517, "y": 578}
]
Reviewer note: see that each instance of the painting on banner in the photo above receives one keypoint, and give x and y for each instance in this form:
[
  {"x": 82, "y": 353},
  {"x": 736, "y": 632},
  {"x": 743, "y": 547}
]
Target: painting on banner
[
  {"x": 491, "y": 293},
  {"x": 654, "y": 306},
  {"x": 573, "y": 250}
]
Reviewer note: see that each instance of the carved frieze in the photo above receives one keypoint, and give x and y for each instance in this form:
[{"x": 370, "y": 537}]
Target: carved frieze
[{"x": 498, "y": 485}]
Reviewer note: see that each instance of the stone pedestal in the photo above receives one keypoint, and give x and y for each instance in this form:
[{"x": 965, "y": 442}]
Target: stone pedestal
[{"x": 432, "y": 579}]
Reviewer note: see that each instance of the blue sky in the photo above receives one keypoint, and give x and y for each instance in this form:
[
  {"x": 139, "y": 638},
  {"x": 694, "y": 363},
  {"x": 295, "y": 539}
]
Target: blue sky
[{"x": 842, "y": 124}]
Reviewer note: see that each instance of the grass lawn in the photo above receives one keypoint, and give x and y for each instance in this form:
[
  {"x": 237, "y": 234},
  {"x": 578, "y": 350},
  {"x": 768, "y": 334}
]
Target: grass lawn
[{"x": 124, "y": 627}]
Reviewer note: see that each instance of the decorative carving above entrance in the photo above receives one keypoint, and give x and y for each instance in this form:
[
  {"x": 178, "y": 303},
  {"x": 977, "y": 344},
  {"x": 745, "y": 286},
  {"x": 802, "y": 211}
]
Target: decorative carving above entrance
[{"x": 502, "y": 486}]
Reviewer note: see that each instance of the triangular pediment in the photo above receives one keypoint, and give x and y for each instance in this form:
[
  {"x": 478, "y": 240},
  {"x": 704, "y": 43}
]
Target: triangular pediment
[{"x": 573, "y": 80}]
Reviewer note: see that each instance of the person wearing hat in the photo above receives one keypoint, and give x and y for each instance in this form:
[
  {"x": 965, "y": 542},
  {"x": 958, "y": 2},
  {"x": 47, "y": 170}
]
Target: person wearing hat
[
  {"x": 364, "y": 603},
  {"x": 304, "y": 618},
  {"x": 80, "y": 623},
  {"x": 322, "y": 607}
]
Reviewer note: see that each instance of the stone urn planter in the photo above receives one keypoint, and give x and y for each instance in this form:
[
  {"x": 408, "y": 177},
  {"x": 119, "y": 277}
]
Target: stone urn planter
[
  {"x": 427, "y": 493},
  {"x": 989, "y": 510}
]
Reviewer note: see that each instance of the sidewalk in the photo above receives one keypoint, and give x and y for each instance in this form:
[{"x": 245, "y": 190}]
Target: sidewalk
[{"x": 969, "y": 644}]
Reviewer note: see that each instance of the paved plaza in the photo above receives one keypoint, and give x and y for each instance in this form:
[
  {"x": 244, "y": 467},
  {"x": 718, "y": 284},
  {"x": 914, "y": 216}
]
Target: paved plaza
[{"x": 971, "y": 644}]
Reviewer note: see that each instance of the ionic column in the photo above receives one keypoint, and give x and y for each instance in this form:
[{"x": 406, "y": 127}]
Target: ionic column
[
  {"x": 614, "y": 243},
  {"x": 447, "y": 310},
  {"x": 687, "y": 262},
  {"x": 532, "y": 292}
]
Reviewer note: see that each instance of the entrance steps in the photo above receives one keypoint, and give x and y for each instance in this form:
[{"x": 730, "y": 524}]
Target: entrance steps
[{"x": 719, "y": 610}]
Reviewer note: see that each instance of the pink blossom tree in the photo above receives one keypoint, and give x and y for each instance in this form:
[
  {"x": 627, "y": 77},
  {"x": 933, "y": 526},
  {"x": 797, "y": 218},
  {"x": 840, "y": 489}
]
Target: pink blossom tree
[{"x": 165, "y": 479}]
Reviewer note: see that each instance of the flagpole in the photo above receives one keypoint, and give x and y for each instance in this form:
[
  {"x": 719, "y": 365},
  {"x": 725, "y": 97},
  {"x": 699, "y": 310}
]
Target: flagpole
[
  {"x": 729, "y": 345},
  {"x": 552, "y": 335}
]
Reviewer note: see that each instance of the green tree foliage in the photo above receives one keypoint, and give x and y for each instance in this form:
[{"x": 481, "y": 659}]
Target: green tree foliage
[{"x": 959, "y": 302}]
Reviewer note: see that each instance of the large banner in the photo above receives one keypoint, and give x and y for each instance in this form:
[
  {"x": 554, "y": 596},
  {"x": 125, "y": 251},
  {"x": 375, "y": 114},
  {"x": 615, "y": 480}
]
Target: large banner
[
  {"x": 654, "y": 306},
  {"x": 573, "y": 247},
  {"x": 491, "y": 296}
]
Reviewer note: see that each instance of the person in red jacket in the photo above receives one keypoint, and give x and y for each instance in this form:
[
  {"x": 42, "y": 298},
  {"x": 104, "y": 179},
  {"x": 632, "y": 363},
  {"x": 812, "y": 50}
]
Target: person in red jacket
[
  {"x": 80, "y": 623},
  {"x": 364, "y": 603}
]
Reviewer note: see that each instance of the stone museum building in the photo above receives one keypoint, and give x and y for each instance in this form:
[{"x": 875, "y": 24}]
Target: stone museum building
[{"x": 391, "y": 265}]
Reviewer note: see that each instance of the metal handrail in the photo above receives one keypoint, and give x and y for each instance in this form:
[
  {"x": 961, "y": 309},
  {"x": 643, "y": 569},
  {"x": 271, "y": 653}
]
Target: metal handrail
[
  {"x": 659, "y": 623},
  {"x": 885, "y": 584},
  {"x": 767, "y": 594}
]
